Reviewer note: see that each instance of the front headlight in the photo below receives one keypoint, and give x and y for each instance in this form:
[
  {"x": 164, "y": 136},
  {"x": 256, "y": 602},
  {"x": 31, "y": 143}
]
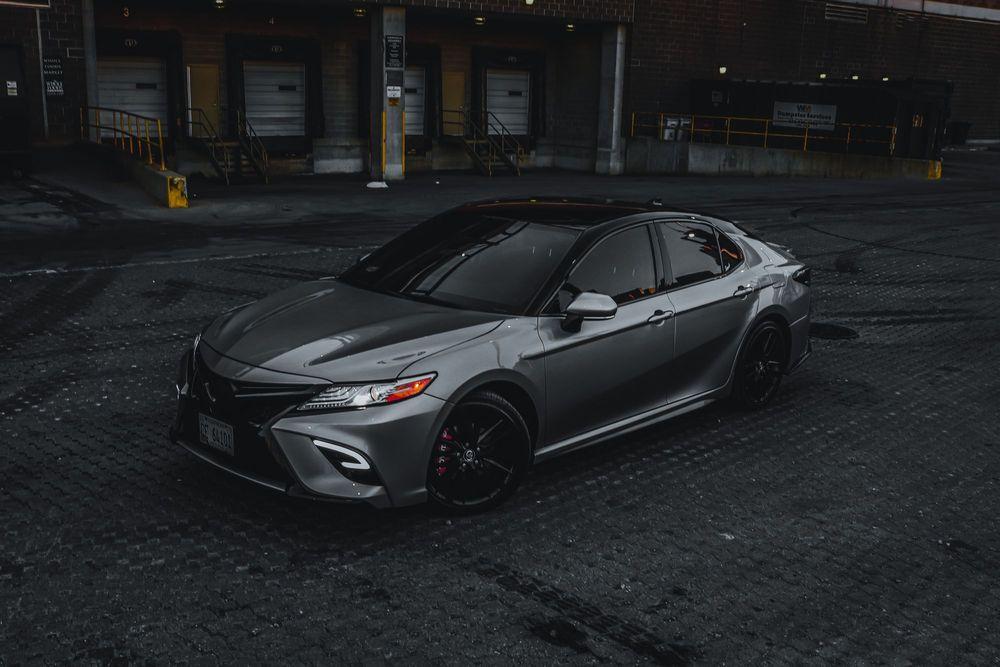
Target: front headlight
[{"x": 364, "y": 395}]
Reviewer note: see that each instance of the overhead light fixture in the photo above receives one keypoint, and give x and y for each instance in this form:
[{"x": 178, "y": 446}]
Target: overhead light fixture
[
  {"x": 219, "y": 4},
  {"x": 885, "y": 78},
  {"x": 529, "y": 2},
  {"x": 822, "y": 75},
  {"x": 360, "y": 12},
  {"x": 479, "y": 20},
  {"x": 723, "y": 69},
  {"x": 855, "y": 77},
  {"x": 570, "y": 27}
]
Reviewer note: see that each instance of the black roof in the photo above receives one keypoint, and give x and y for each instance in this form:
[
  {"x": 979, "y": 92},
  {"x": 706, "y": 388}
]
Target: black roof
[
  {"x": 570, "y": 211},
  {"x": 583, "y": 213}
]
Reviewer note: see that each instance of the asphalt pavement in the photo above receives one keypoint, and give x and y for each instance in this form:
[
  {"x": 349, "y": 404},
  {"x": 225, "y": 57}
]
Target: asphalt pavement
[{"x": 854, "y": 520}]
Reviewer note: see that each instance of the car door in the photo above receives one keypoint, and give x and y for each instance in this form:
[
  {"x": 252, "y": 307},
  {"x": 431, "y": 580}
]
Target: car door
[
  {"x": 714, "y": 297},
  {"x": 609, "y": 369}
]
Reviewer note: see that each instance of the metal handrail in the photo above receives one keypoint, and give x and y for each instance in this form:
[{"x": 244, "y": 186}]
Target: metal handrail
[
  {"x": 130, "y": 132},
  {"x": 198, "y": 119},
  {"x": 724, "y": 129},
  {"x": 500, "y": 145},
  {"x": 252, "y": 143},
  {"x": 490, "y": 121}
]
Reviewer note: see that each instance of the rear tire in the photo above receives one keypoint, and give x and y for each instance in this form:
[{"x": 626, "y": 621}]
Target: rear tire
[
  {"x": 760, "y": 366},
  {"x": 480, "y": 455}
]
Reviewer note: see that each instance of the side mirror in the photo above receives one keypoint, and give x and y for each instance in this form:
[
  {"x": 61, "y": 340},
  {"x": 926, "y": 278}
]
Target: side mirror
[{"x": 588, "y": 306}]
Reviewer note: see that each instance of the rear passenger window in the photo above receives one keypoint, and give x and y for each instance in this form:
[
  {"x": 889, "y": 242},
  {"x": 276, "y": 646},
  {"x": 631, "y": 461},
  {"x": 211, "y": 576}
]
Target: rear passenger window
[
  {"x": 730, "y": 252},
  {"x": 693, "y": 250}
]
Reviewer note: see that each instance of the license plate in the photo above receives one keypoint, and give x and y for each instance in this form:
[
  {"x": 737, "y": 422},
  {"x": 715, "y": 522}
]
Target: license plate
[{"x": 215, "y": 434}]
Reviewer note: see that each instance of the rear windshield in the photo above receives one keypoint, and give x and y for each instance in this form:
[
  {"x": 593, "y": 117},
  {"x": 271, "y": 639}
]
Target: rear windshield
[{"x": 474, "y": 261}]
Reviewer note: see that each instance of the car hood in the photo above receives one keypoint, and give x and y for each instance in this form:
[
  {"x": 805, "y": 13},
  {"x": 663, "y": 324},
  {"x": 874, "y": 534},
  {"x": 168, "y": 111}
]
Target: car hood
[{"x": 327, "y": 329}]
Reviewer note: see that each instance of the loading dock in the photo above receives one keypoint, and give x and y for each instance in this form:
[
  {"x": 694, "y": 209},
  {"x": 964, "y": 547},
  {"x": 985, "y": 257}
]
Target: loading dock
[{"x": 134, "y": 85}]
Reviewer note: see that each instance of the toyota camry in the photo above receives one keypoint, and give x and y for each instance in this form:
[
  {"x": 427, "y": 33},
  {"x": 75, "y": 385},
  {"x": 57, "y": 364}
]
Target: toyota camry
[{"x": 496, "y": 335}]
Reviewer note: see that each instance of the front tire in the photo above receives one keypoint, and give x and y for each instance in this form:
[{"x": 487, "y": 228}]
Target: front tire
[
  {"x": 760, "y": 366},
  {"x": 480, "y": 455}
]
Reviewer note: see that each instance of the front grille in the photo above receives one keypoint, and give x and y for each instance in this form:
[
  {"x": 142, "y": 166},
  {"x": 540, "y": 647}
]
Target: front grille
[{"x": 247, "y": 407}]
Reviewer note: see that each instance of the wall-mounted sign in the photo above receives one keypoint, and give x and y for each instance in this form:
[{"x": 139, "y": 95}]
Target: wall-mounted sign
[
  {"x": 394, "y": 54},
  {"x": 32, "y": 4},
  {"x": 799, "y": 114},
  {"x": 52, "y": 70}
]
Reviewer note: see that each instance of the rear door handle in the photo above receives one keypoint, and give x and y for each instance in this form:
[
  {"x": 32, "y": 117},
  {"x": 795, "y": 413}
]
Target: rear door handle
[
  {"x": 660, "y": 316},
  {"x": 743, "y": 290}
]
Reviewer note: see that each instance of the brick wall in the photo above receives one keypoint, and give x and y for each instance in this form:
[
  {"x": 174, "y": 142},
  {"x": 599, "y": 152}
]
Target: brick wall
[
  {"x": 673, "y": 43},
  {"x": 62, "y": 37},
  {"x": 619, "y": 11}
]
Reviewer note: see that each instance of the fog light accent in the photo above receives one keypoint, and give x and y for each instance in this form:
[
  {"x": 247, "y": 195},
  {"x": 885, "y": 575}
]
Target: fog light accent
[{"x": 355, "y": 460}]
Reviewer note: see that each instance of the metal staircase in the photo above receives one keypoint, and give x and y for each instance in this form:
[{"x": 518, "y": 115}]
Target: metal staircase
[
  {"x": 232, "y": 158},
  {"x": 488, "y": 142}
]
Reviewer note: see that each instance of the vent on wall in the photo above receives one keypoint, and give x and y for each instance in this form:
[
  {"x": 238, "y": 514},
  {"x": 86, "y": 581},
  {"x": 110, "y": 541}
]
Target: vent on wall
[{"x": 846, "y": 13}]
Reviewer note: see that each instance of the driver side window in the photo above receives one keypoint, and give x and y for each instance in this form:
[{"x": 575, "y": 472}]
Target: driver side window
[{"x": 621, "y": 266}]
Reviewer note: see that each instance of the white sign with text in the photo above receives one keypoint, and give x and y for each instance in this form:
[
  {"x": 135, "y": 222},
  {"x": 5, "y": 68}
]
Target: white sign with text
[{"x": 804, "y": 114}]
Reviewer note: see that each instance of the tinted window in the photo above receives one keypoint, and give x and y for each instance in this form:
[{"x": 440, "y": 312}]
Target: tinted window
[
  {"x": 473, "y": 261},
  {"x": 620, "y": 266},
  {"x": 693, "y": 251},
  {"x": 730, "y": 252}
]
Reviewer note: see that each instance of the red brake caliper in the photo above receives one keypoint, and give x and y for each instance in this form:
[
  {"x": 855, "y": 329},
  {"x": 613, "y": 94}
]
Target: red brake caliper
[{"x": 443, "y": 448}]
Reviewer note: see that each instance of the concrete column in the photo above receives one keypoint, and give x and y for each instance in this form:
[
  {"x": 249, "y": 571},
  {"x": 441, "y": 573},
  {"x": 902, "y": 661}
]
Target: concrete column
[
  {"x": 90, "y": 58},
  {"x": 610, "y": 158},
  {"x": 388, "y": 40}
]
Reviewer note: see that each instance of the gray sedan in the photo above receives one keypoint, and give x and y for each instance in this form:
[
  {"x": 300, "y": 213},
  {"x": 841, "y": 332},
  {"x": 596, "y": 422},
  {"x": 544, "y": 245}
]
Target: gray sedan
[{"x": 498, "y": 334}]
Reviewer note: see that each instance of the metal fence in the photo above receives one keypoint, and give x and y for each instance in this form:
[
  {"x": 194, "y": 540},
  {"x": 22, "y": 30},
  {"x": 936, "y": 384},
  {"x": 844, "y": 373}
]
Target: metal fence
[{"x": 763, "y": 133}]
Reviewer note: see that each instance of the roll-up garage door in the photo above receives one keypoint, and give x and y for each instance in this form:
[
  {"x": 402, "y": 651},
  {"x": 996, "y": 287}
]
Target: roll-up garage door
[
  {"x": 507, "y": 97},
  {"x": 414, "y": 85},
  {"x": 135, "y": 85},
  {"x": 275, "y": 97}
]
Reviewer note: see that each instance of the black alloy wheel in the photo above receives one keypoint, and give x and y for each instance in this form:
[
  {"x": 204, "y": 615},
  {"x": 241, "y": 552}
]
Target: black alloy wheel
[
  {"x": 480, "y": 454},
  {"x": 761, "y": 366}
]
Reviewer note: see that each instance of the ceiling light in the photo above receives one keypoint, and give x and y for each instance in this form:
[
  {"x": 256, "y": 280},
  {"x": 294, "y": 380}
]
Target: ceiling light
[
  {"x": 570, "y": 27},
  {"x": 822, "y": 75},
  {"x": 723, "y": 69},
  {"x": 885, "y": 78},
  {"x": 855, "y": 77},
  {"x": 529, "y": 2},
  {"x": 479, "y": 20}
]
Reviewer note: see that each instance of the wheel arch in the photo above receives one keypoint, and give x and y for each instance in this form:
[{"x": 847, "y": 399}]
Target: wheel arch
[
  {"x": 515, "y": 389},
  {"x": 779, "y": 316}
]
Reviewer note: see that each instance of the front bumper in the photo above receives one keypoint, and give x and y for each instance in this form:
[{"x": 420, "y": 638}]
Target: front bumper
[{"x": 280, "y": 454}]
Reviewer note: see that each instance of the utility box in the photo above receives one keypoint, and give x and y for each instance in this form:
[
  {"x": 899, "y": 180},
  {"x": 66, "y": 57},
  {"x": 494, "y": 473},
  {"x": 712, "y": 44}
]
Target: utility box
[
  {"x": 15, "y": 122},
  {"x": 890, "y": 118}
]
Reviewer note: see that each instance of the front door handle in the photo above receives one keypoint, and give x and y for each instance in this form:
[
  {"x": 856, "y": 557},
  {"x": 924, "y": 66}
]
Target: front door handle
[
  {"x": 743, "y": 290},
  {"x": 660, "y": 316}
]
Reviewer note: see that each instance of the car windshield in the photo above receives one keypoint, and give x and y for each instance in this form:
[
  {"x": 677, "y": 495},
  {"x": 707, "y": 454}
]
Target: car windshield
[{"x": 474, "y": 261}]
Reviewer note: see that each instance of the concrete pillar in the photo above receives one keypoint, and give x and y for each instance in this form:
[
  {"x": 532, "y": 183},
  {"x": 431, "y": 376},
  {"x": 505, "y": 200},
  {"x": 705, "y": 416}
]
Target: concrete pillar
[
  {"x": 610, "y": 159},
  {"x": 388, "y": 40},
  {"x": 90, "y": 58}
]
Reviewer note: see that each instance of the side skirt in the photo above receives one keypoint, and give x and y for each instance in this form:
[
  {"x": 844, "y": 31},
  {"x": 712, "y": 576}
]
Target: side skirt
[{"x": 627, "y": 425}]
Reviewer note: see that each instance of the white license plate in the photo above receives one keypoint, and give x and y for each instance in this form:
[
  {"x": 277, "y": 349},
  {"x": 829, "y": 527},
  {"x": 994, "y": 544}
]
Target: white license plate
[{"x": 215, "y": 434}]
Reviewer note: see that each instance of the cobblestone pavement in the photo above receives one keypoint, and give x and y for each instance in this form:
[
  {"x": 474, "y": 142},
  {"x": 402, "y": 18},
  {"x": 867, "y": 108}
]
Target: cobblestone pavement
[{"x": 853, "y": 520}]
